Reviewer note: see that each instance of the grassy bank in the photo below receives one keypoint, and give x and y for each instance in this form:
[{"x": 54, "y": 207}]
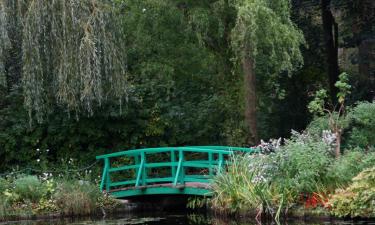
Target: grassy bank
[{"x": 27, "y": 196}]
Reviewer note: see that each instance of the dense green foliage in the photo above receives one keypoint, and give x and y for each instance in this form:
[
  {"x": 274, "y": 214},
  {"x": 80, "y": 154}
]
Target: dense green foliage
[
  {"x": 362, "y": 126},
  {"x": 27, "y": 195},
  {"x": 349, "y": 165},
  {"x": 274, "y": 182},
  {"x": 151, "y": 73},
  {"x": 82, "y": 78},
  {"x": 302, "y": 171},
  {"x": 357, "y": 200},
  {"x": 28, "y": 188}
]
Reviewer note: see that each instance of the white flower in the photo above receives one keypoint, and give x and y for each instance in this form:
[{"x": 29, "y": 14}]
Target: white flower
[
  {"x": 47, "y": 150},
  {"x": 38, "y": 160},
  {"x": 37, "y": 149},
  {"x": 143, "y": 10}
]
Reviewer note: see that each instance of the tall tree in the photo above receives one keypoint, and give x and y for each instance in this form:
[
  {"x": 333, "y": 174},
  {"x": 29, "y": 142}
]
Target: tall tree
[
  {"x": 261, "y": 38},
  {"x": 65, "y": 53},
  {"x": 266, "y": 43},
  {"x": 358, "y": 19},
  {"x": 330, "y": 28}
]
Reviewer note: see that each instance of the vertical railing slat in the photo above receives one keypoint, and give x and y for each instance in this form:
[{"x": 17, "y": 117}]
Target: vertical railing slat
[
  {"x": 107, "y": 177},
  {"x": 173, "y": 160},
  {"x": 144, "y": 172},
  {"x": 179, "y": 167},
  {"x": 136, "y": 162},
  {"x": 221, "y": 160},
  {"x": 182, "y": 175},
  {"x": 140, "y": 171},
  {"x": 210, "y": 159},
  {"x": 104, "y": 176}
]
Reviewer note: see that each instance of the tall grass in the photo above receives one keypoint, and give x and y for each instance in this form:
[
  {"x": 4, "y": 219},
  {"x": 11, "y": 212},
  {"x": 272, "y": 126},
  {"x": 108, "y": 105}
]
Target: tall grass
[
  {"x": 77, "y": 197},
  {"x": 237, "y": 189},
  {"x": 242, "y": 188},
  {"x": 3, "y": 207}
]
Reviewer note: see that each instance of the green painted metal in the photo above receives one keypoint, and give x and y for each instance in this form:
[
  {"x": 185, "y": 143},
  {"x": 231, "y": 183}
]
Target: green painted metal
[
  {"x": 161, "y": 191},
  {"x": 177, "y": 181}
]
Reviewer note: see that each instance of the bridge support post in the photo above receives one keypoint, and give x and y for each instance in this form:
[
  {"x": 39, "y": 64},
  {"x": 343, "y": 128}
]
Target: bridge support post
[
  {"x": 179, "y": 177},
  {"x": 221, "y": 160},
  {"x": 173, "y": 160},
  {"x": 182, "y": 174},
  {"x": 140, "y": 170},
  {"x": 136, "y": 162},
  {"x": 107, "y": 178},
  {"x": 210, "y": 159},
  {"x": 144, "y": 172}
]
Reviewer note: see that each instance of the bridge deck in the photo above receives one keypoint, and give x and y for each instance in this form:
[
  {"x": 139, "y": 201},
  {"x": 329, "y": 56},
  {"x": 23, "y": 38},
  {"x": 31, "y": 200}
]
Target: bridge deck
[{"x": 170, "y": 185}]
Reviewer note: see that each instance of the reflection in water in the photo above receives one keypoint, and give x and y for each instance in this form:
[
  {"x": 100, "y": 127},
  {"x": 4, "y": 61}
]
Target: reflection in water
[{"x": 172, "y": 219}]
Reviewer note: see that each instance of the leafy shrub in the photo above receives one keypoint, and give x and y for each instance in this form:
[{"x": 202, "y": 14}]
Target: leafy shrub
[
  {"x": 358, "y": 200},
  {"x": 342, "y": 170},
  {"x": 362, "y": 121},
  {"x": 77, "y": 198},
  {"x": 29, "y": 188},
  {"x": 4, "y": 184},
  {"x": 301, "y": 164},
  {"x": 318, "y": 125},
  {"x": 275, "y": 181}
]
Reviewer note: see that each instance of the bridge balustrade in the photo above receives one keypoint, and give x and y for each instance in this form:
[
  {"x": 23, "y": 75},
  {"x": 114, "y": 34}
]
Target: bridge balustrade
[{"x": 183, "y": 173}]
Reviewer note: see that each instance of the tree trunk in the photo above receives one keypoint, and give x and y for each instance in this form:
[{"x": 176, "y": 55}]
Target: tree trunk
[
  {"x": 250, "y": 98},
  {"x": 366, "y": 70},
  {"x": 338, "y": 143},
  {"x": 330, "y": 29}
]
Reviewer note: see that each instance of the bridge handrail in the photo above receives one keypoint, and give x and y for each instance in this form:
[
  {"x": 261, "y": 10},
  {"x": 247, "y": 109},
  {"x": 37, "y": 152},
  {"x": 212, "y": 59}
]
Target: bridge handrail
[
  {"x": 177, "y": 166},
  {"x": 205, "y": 149}
]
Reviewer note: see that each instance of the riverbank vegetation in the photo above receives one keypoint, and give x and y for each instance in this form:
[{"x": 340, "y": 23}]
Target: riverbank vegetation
[
  {"x": 26, "y": 196},
  {"x": 305, "y": 172}
]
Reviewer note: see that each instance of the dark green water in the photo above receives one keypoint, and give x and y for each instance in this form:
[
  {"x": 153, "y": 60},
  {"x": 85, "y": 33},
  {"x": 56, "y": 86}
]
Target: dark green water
[{"x": 173, "y": 219}]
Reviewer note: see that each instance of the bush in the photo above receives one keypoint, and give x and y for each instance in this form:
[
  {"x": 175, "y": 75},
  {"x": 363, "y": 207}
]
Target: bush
[
  {"x": 342, "y": 171},
  {"x": 362, "y": 121},
  {"x": 318, "y": 125},
  {"x": 77, "y": 198},
  {"x": 28, "y": 188},
  {"x": 358, "y": 200},
  {"x": 274, "y": 182},
  {"x": 301, "y": 164},
  {"x": 4, "y": 184}
]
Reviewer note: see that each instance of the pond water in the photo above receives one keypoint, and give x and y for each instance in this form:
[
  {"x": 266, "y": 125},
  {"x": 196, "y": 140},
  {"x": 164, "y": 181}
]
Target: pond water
[{"x": 172, "y": 219}]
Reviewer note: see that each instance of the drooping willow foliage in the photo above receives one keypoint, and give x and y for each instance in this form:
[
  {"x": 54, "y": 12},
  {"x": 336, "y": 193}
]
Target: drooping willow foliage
[
  {"x": 72, "y": 53},
  {"x": 4, "y": 42},
  {"x": 264, "y": 31}
]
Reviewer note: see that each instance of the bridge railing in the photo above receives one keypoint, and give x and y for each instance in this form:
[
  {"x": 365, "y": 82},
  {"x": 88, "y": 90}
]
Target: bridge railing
[{"x": 139, "y": 166}]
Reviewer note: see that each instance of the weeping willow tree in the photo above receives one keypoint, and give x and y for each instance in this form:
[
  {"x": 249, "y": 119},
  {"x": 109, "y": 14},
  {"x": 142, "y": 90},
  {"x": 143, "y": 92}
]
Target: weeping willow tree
[
  {"x": 266, "y": 42},
  {"x": 72, "y": 53},
  {"x": 4, "y": 42}
]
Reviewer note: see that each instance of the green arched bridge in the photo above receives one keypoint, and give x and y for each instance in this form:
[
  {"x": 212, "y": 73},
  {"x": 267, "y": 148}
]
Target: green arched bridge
[{"x": 165, "y": 170}]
